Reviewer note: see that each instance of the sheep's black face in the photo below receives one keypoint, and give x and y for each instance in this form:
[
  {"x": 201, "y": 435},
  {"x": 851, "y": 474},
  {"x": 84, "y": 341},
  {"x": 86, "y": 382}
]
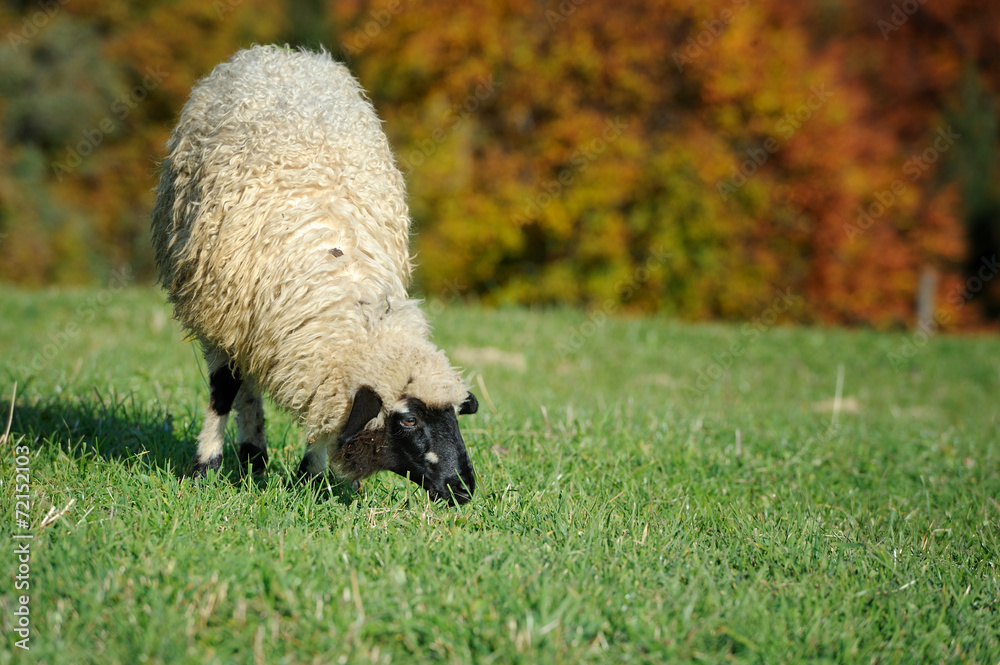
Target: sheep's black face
[
  {"x": 426, "y": 445},
  {"x": 418, "y": 442}
]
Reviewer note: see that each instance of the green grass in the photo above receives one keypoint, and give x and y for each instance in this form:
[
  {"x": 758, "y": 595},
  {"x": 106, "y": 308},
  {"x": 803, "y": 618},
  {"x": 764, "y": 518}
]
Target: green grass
[{"x": 618, "y": 518}]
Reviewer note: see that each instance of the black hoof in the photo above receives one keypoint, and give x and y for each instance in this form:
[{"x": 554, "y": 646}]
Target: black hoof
[
  {"x": 201, "y": 469},
  {"x": 304, "y": 476},
  {"x": 252, "y": 458}
]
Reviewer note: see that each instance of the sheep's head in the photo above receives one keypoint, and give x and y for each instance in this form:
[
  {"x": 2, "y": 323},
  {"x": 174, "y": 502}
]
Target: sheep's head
[{"x": 416, "y": 441}]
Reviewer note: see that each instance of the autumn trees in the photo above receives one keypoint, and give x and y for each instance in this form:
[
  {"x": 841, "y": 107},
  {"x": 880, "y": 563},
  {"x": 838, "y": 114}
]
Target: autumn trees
[{"x": 676, "y": 156}]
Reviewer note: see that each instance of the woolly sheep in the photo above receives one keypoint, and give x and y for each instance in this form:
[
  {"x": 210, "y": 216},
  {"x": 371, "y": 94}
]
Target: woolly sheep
[{"x": 281, "y": 234}]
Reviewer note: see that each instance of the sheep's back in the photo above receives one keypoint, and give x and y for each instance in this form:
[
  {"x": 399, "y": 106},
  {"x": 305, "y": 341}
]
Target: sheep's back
[{"x": 279, "y": 202}]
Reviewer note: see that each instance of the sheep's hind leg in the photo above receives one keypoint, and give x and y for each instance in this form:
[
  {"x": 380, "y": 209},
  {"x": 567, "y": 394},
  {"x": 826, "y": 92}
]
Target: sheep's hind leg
[
  {"x": 250, "y": 423},
  {"x": 224, "y": 383}
]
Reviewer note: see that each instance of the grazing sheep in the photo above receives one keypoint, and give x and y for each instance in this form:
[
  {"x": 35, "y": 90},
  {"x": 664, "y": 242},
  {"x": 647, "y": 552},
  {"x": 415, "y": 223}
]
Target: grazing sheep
[{"x": 281, "y": 233}]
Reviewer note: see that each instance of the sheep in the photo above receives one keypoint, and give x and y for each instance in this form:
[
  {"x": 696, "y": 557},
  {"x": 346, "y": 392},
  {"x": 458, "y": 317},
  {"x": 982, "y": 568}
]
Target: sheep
[{"x": 281, "y": 232}]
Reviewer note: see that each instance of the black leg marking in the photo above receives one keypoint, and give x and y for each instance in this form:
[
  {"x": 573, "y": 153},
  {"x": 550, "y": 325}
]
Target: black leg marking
[
  {"x": 304, "y": 474},
  {"x": 201, "y": 468},
  {"x": 225, "y": 383},
  {"x": 308, "y": 472},
  {"x": 252, "y": 458}
]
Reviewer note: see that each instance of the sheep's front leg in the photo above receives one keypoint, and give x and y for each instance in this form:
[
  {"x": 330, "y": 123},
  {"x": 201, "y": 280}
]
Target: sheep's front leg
[
  {"x": 224, "y": 384},
  {"x": 314, "y": 463},
  {"x": 250, "y": 423}
]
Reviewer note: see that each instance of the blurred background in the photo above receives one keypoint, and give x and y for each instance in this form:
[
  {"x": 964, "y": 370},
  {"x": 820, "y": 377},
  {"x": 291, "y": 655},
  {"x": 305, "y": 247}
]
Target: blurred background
[{"x": 700, "y": 159}]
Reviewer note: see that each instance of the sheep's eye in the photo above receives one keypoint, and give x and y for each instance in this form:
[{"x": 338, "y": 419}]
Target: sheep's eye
[{"x": 408, "y": 421}]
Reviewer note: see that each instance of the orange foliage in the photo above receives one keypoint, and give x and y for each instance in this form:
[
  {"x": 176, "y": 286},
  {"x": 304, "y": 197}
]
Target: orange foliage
[{"x": 681, "y": 156}]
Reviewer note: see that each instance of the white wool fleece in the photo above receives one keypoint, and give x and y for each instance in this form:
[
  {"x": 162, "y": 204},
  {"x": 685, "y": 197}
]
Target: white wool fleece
[{"x": 281, "y": 233}]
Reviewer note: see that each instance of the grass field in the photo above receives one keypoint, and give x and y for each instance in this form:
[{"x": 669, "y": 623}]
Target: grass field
[{"x": 648, "y": 492}]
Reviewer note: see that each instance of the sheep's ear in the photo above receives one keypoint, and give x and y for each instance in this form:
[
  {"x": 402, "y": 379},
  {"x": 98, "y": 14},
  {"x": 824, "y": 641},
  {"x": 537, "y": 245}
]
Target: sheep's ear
[
  {"x": 366, "y": 406},
  {"x": 469, "y": 406}
]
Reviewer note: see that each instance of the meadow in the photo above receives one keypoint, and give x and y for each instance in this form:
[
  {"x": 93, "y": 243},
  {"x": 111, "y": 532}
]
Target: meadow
[{"x": 648, "y": 491}]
